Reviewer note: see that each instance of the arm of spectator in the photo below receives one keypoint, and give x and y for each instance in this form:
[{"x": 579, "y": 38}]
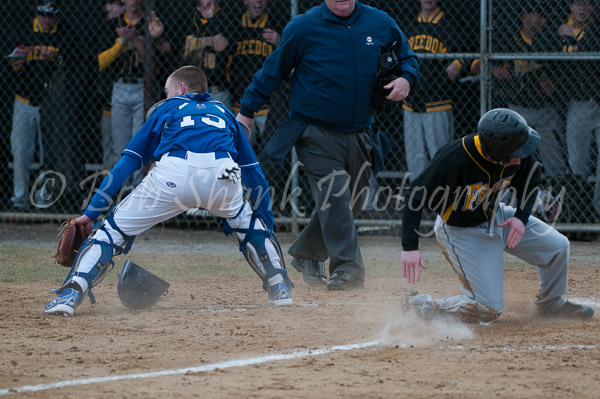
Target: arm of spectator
[
  {"x": 157, "y": 29},
  {"x": 17, "y": 63},
  {"x": 547, "y": 86},
  {"x": 129, "y": 34},
  {"x": 113, "y": 9},
  {"x": 219, "y": 42},
  {"x": 453, "y": 70},
  {"x": 107, "y": 57},
  {"x": 271, "y": 36},
  {"x": 501, "y": 73},
  {"x": 48, "y": 53},
  {"x": 566, "y": 30}
]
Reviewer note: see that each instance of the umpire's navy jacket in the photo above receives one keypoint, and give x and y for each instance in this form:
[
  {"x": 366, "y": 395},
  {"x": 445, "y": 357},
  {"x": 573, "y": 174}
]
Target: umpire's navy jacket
[{"x": 334, "y": 63}]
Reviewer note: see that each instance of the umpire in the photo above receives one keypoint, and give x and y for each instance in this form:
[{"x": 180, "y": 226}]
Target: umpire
[{"x": 332, "y": 50}]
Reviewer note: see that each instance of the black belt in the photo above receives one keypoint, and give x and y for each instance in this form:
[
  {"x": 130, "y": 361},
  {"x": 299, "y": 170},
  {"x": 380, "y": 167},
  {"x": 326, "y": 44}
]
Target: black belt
[{"x": 183, "y": 154}]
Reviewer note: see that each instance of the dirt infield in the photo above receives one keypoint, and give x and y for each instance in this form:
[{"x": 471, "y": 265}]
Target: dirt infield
[{"x": 215, "y": 336}]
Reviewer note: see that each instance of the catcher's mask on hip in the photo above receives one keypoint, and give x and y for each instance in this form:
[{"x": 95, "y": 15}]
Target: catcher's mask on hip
[{"x": 138, "y": 288}]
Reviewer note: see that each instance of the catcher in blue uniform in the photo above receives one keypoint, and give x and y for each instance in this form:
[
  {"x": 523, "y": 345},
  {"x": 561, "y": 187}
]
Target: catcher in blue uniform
[{"x": 202, "y": 158}]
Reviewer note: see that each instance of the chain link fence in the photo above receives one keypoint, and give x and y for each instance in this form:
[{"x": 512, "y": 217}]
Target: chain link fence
[{"x": 74, "y": 94}]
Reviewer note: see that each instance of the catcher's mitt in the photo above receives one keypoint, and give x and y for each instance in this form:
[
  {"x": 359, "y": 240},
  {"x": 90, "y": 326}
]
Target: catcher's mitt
[
  {"x": 388, "y": 69},
  {"x": 72, "y": 234}
]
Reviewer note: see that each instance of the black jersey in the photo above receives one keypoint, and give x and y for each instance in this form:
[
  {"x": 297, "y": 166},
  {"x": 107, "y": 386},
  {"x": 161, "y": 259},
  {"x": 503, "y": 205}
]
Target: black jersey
[
  {"x": 572, "y": 78},
  {"x": 249, "y": 51},
  {"x": 463, "y": 186},
  {"x": 528, "y": 76},
  {"x": 129, "y": 63},
  {"x": 198, "y": 49},
  {"x": 36, "y": 77},
  {"x": 438, "y": 34}
]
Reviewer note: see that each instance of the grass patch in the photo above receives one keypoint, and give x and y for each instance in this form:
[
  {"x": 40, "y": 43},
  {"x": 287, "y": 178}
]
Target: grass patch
[{"x": 26, "y": 264}]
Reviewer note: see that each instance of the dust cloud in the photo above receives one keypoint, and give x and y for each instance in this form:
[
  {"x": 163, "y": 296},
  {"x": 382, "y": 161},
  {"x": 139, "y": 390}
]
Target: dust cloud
[{"x": 410, "y": 329}]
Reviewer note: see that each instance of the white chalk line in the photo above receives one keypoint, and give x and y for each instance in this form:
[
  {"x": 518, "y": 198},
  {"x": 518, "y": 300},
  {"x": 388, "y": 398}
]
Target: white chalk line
[{"x": 198, "y": 369}]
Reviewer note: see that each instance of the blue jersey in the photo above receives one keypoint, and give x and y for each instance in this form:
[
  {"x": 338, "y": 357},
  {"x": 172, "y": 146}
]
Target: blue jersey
[{"x": 196, "y": 123}]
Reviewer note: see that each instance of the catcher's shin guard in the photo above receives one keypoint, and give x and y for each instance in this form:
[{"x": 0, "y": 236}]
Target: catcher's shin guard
[
  {"x": 103, "y": 265},
  {"x": 257, "y": 240}
]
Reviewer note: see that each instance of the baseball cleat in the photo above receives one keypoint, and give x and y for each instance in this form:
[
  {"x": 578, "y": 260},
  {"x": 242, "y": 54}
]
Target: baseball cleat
[
  {"x": 65, "y": 302},
  {"x": 570, "y": 310},
  {"x": 280, "y": 294}
]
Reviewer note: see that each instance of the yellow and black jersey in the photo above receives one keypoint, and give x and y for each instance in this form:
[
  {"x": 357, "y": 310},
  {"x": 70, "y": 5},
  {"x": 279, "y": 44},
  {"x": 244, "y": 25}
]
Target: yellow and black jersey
[
  {"x": 463, "y": 186},
  {"x": 249, "y": 50},
  {"x": 36, "y": 76},
  {"x": 197, "y": 47},
  {"x": 571, "y": 79},
  {"x": 528, "y": 76},
  {"x": 123, "y": 61},
  {"x": 437, "y": 34}
]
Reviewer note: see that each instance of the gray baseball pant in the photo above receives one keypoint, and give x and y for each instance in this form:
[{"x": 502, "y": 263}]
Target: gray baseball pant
[
  {"x": 25, "y": 128},
  {"x": 476, "y": 255}
]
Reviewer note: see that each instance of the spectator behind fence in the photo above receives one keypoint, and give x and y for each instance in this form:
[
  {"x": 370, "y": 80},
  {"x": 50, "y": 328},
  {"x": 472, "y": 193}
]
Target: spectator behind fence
[
  {"x": 104, "y": 85},
  {"x": 254, "y": 35},
  {"x": 578, "y": 32},
  {"x": 527, "y": 86},
  {"x": 202, "y": 43},
  {"x": 40, "y": 118},
  {"x": 331, "y": 102},
  {"x": 428, "y": 111},
  {"x": 127, "y": 63}
]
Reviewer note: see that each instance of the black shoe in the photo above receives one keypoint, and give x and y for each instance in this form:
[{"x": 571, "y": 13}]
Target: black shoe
[
  {"x": 313, "y": 271},
  {"x": 344, "y": 281},
  {"x": 570, "y": 311}
]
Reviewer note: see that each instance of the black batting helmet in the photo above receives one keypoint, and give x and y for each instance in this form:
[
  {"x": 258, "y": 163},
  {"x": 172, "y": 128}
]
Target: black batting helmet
[{"x": 504, "y": 134}]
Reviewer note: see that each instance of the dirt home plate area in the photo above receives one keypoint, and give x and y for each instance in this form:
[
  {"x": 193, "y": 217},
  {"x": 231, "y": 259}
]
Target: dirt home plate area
[{"x": 215, "y": 335}]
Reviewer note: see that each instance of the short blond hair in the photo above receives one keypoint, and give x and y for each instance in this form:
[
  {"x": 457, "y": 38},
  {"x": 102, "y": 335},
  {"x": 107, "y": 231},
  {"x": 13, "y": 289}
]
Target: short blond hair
[{"x": 192, "y": 77}]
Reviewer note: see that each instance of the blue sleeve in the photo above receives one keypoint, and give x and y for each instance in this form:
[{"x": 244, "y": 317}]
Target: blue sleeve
[
  {"x": 276, "y": 67},
  {"x": 102, "y": 200},
  {"x": 254, "y": 179},
  {"x": 146, "y": 140},
  {"x": 408, "y": 59}
]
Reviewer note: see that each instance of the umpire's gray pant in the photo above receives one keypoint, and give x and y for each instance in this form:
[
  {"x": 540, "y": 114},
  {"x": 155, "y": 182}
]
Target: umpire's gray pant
[{"x": 338, "y": 167}]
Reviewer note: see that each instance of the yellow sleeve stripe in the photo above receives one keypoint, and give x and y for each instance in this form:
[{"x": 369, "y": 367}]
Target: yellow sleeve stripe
[{"x": 109, "y": 56}]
